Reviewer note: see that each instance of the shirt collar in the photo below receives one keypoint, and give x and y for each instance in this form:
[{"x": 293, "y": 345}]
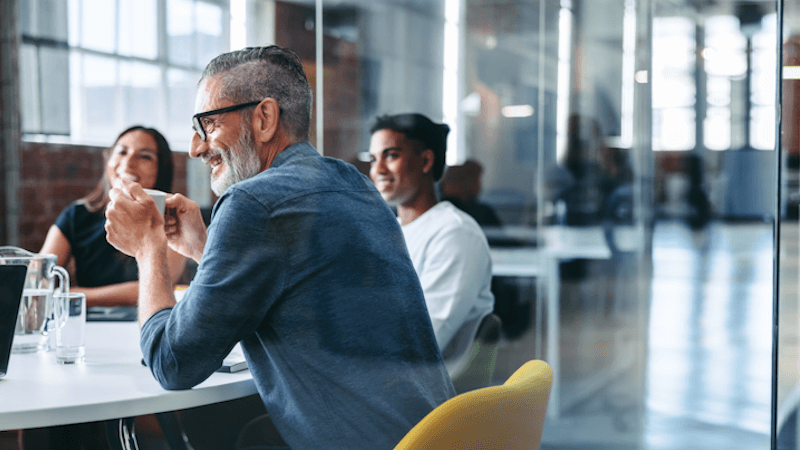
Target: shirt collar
[{"x": 300, "y": 150}]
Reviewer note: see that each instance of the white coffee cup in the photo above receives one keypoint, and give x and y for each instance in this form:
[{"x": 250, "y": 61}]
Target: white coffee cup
[{"x": 159, "y": 197}]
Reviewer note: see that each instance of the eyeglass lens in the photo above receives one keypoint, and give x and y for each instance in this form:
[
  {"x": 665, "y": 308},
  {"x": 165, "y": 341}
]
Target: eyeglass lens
[{"x": 198, "y": 128}]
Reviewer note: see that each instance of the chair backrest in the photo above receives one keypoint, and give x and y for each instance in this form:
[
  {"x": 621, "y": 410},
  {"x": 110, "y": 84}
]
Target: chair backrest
[
  {"x": 510, "y": 416},
  {"x": 482, "y": 357}
]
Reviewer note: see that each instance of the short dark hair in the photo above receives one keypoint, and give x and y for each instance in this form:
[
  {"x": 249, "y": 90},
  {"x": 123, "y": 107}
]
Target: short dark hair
[
  {"x": 418, "y": 127},
  {"x": 98, "y": 198},
  {"x": 255, "y": 73}
]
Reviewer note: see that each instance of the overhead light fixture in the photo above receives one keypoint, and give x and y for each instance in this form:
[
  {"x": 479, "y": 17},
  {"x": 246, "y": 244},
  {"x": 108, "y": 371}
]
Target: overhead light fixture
[{"x": 517, "y": 111}]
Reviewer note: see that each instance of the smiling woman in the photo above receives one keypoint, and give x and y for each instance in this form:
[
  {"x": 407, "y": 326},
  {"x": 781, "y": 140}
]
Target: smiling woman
[{"x": 106, "y": 276}]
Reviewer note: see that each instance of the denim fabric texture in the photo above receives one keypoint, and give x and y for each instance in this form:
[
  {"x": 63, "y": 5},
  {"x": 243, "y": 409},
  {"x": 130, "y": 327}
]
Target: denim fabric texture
[{"x": 306, "y": 265}]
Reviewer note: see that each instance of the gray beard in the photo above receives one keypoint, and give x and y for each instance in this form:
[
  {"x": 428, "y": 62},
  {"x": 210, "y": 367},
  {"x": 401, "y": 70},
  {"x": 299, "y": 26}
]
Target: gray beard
[{"x": 241, "y": 162}]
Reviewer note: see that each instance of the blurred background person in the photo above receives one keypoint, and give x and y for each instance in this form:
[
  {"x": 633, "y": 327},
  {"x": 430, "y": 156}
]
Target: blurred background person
[
  {"x": 106, "y": 276},
  {"x": 461, "y": 186},
  {"x": 696, "y": 197},
  {"x": 576, "y": 186},
  {"x": 447, "y": 247}
]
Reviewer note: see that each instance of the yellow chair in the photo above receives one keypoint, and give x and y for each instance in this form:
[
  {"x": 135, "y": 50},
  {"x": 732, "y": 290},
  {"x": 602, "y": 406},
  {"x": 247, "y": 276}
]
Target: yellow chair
[{"x": 505, "y": 417}]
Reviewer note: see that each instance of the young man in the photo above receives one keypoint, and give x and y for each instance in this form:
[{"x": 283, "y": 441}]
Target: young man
[
  {"x": 449, "y": 251},
  {"x": 298, "y": 250}
]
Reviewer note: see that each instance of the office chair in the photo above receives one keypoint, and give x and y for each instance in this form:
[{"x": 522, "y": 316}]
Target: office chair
[
  {"x": 510, "y": 416},
  {"x": 482, "y": 357}
]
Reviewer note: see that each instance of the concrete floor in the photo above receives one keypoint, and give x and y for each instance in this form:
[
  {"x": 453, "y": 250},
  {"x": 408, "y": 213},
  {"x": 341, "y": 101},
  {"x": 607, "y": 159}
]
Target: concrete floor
[{"x": 690, "y": 367}]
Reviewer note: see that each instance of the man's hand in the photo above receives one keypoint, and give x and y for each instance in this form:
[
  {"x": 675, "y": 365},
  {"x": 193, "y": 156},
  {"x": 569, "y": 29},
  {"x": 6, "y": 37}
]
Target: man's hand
[
  {"x": 184, "y": 227},
  {"x": 134, "y": 224}
]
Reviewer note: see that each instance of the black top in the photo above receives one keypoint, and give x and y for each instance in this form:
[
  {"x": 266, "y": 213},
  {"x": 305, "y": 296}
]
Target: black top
[{"x": 97, "y": 263}]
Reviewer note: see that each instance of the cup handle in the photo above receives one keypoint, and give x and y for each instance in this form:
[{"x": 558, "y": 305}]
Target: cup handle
[
  {"x": 63, "y": 287},
  {"x": 63, "y": 277}
]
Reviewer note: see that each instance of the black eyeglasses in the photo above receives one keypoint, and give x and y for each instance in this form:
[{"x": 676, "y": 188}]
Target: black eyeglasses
[{"x": 197, "y": 125}]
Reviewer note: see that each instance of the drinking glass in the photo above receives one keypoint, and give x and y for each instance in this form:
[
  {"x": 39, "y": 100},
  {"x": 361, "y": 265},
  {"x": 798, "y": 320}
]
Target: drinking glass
[{"x": 70, "y": 312}]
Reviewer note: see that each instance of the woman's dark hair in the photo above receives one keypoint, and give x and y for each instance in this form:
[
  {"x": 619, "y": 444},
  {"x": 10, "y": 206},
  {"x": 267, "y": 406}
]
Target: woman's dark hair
[
  {"x": 98, "y": 198},
  {"x": 418, "y": 127}
]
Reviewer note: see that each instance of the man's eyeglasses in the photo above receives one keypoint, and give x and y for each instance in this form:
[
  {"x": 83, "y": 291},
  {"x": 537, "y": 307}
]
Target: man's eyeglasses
[{"x": 197, "y": 124}]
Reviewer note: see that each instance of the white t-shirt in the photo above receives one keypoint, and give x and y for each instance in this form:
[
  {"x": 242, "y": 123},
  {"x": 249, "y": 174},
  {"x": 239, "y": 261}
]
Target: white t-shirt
[{"x": 451, "y": 256}]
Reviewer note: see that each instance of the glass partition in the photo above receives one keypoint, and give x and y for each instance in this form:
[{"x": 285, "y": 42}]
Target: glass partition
[
  {"x": 627, "y": 151},
  {"x": 644, "y": 198},
  {"x": 548, "y": 117}
]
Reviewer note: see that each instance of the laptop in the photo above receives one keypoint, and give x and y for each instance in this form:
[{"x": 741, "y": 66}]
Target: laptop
[{"x": 12, "y": 281}]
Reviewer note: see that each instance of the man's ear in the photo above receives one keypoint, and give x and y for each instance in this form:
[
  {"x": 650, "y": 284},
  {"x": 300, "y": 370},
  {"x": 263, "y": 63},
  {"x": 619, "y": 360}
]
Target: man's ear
[
  {"x": 428, "y": 158},
  {"x": 265, "y": 121}
]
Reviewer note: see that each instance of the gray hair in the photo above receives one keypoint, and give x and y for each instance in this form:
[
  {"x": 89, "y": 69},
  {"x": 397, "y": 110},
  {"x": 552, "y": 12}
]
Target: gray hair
[{"x": 255, "y": 73}]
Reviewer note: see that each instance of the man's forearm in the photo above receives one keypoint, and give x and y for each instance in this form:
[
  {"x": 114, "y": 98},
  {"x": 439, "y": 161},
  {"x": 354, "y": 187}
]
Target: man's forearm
[{"x": 155, "y": 286}]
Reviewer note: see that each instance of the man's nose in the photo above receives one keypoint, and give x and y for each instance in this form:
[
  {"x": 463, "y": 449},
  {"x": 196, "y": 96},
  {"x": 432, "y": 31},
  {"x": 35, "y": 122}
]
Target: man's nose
[{"x": 198, "y": 147}]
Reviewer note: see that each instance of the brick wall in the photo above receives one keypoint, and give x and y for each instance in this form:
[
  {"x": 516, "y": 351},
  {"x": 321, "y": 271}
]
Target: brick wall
[{"x": 52, "y": 176}]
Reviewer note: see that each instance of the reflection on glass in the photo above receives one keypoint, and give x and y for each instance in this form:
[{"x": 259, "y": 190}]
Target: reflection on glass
[
  {"x": 762, "y": 128},
  {"x": 724, "y": 47},
  {"x": 674, "y": 128},
  {"x": 717, "y": 128},
  {"x": 764, "y": 60},
  {"x": 673, "y": 83}
]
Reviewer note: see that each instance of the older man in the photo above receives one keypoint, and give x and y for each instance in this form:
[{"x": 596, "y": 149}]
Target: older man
[
  {"x": 447, "y": 247},
  {"x": 299, "y": 251}
]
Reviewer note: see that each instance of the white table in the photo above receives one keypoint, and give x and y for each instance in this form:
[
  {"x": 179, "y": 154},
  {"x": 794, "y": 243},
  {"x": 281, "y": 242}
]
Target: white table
[
  {"x": 557, "y": 244},
  {"x": 111, "y": 384}
]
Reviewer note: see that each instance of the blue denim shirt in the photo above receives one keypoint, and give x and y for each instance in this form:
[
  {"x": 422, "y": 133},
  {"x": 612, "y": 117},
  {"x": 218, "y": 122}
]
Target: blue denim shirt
[{"x": 306, "y": 265}]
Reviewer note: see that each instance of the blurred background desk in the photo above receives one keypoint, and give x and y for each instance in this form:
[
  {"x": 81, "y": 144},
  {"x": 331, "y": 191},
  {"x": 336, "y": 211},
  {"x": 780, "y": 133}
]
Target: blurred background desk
[
  {"x": 539, "y": 254},
  {"x": 111, "y": 385}
]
